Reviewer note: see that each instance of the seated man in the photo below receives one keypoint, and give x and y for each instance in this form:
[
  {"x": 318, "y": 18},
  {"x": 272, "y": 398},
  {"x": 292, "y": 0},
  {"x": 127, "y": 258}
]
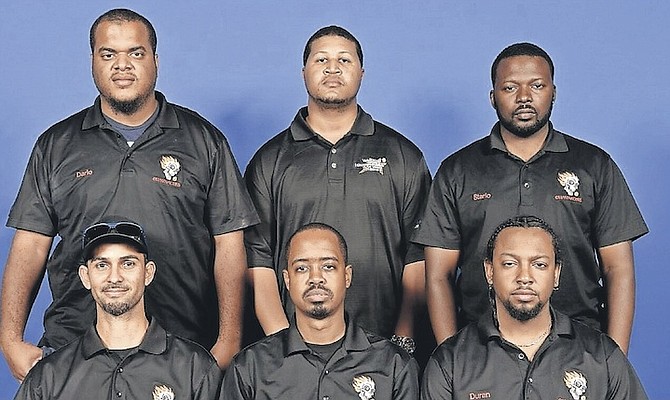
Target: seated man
[
  {"x": 124, "y": 355},
  {"x": 524, "y": 349},
  {"x": 321, "y": 354}
]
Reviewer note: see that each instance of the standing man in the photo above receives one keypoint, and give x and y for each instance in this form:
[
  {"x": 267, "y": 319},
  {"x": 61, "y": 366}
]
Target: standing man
[
  {"x": 525, "y": 166},
  {"x": 132, "y": 153},
  {"x": 124, "y": 354},
  {"x": 323, "y": 354},
  {"x": 336, "y": 165},
  {"x": 522, "y": 348}
]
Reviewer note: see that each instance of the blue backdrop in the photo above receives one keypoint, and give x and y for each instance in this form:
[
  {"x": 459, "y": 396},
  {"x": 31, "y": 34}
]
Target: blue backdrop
[{"x": 427, "y": 75}]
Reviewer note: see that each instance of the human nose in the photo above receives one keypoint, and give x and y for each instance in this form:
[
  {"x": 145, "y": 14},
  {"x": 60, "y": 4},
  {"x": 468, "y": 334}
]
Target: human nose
[
  {"x": 114, "y": 274},
  {"x": 315, "y": 276},
  {"x": 332, "y": 67},
  {"x": 122, "y": 61},
  {"x": 523, "y": 95},
  {"x": 524, "y": 275}
]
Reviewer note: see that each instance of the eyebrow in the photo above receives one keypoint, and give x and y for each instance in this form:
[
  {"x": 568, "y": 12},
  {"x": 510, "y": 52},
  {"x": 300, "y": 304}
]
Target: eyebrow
[
  {"x": 333, "y": 258},
  {"x": 128, "y": 257},
  {"x": 130, "y": 50}
]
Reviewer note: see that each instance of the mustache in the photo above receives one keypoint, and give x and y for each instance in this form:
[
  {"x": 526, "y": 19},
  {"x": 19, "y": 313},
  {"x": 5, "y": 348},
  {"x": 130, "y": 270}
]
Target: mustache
[
  {"x": 525, "y": 107},
  {"x": 317, "y": 287},
  {"x": 113, "y": 286}
]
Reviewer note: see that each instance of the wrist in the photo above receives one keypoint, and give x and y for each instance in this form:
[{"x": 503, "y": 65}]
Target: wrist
[{"x": 405, "y": 342}]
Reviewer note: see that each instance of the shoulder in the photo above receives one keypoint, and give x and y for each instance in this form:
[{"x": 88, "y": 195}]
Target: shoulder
[
  {"x": 191, "y": 122},
  {"x": 64, "y": 128},
  {"x": 464, "y": 341},
  {"x": 268, "y": 348},
  {"x": 593, "y": 341},
  {"x": 186, "y": 349},
  {"x": 384, "y": 346},
  {"x": 582, "y": 147}
]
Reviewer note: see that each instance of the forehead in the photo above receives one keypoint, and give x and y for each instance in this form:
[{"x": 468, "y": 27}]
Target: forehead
[
  {"x": 115, "y": 250},
  {"x": 314, "y": 243},
  {"x": 516, "y": 67},
  {"x": 332, "y": 43},
  {"x": 132, "y": 31},
  {"x": 522, "y": 241}
]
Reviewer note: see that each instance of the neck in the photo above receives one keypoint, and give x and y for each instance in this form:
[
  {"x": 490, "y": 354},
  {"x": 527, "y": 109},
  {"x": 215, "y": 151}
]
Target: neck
[
  {"x": 331, "y": 123},
  {"x": 137, "y": 118},
  {"x": 124, "y": 331},
  {"x": 522, "y": 333},
  {"x": 321, "y": 331},
  {"x": 524, "y": 148}
]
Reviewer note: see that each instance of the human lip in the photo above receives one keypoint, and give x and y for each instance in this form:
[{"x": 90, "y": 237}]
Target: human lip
[
  {"x": 123, "y": 80},
  {"x": 525, "y": 112},
  {"x": 524, "y": 295},
  {"x": 115, "y": 291},
  {"x": 317, "y": 294},
  {"x": 332, "y": 82}
]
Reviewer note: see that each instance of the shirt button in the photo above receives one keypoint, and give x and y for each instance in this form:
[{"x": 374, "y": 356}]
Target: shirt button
[
  {"x": 326, "y": 397},
  {"x": 333, "y": 165},
  {"x": 521, "y": 356},
  {"x": 120, "y": 370},
  {"x": 119, "y": 394},
  {"x": 530, "y": 380},
  {"x": 333, "y": 150},
  {"x": 526, "y": 185},
  {"x": 326, "y": 372}
]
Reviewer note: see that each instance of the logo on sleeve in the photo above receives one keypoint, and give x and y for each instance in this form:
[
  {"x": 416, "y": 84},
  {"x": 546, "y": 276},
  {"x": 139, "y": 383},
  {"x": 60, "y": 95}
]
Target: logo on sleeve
[
  {"x": 171, "y": 167},
  {"x": 570, "y": 183},
  {"x": 575, "y": 381},
  {"x": 371, "y": 165},
  {"x": 163, "y": 392},
  {"x": 364, "y": 386}
]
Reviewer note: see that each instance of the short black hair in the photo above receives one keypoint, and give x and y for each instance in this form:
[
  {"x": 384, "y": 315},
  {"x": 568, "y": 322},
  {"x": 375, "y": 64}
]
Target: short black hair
[
  {"x": 332, "y": 30},
  {"x": 521, "y": 49},
  {"x": 322, "y": 227},
  {"x": 124, "y": 15},
  {"x": 524, "y": 221}
]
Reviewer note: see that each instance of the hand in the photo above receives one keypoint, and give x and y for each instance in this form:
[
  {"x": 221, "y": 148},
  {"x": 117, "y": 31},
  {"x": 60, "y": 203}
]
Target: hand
[
  {"x": 223, "y": 353},
  {"x": 21, "y": 357}
]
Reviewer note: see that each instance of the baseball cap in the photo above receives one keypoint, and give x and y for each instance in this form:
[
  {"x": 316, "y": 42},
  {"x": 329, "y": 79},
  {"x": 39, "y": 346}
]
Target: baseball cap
[{"x": 122, "y": 231}]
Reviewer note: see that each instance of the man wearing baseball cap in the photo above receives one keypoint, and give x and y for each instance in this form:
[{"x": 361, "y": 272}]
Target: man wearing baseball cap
[{"x": 125, "y": 354}]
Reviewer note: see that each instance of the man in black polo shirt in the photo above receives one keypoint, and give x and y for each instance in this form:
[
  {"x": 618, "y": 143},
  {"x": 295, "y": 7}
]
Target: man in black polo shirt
[
  {"x": 523, "y": 348},
  {"x": 123, "y": 355},
  {"x": 335, "y": 164},
  {"x": 525, "y": 166},
  {"x": 322, "y": 355},
  {"x": 132, "y": 153}
]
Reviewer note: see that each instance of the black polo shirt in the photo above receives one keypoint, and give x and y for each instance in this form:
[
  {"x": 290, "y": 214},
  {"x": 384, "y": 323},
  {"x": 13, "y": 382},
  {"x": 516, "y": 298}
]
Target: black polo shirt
[
  {"x": 371, "y": 186},
  {"x": 482, "y": 185},
  {"x": 478, "y": 364},
  {"x": 282, "y": 366},
  {"x": 162, "y": 364},
  {"x": 179, "y": 181}
]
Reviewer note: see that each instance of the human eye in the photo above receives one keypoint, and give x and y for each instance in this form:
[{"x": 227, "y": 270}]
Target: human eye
[
  {"x": 101, "y": 265},
  {"x": 345, "y": 60},
  {"x": 508, "y": 88},
  {"x": 538, "y": 85},
  {"x": 540, "y": 265},
  {"x": 329, "y": 267},
  {"x": 320, "y": 60},
  {"x": 129, "y": 264},
  {"x": 508, "y": 263},
  {"x": 300, "y": 268},
  {"x": 137, "y": 54},
  {"x": 107, "y": 55}
]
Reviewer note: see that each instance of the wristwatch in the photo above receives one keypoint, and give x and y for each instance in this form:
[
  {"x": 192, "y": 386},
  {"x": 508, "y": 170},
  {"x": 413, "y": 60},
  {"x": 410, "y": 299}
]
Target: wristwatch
[{"x": 407, "y": 343}]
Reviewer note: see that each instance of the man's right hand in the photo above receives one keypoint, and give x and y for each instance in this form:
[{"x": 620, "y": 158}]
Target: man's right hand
[{"x": 21, "y": 357}]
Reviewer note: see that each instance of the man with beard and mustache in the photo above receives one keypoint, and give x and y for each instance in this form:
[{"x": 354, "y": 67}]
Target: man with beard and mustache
[
  {"x": 522, "y": 348},
  {"x": 322, "y": 354},
  {"x": 525, "y": 166},
  {"x": 123, "y": 354},
  {"x": 132, "y": 153},
  {"x": 335, "y": 164}
]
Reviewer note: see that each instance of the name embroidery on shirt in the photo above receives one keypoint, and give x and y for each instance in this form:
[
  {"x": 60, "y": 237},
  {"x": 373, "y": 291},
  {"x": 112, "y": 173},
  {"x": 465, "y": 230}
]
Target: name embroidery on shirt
[
  {"x": 570, "y": 183},
  {"x": 371, "y": 165},
  {"x": 575, "y": 381},
  {"x": 479, "y": 395},
  {"x": 84, "y": 172},
  {"x": 163, "y": 392},
  {"x": 364, "y": 386},
  {"x": 171, "y": 167}
]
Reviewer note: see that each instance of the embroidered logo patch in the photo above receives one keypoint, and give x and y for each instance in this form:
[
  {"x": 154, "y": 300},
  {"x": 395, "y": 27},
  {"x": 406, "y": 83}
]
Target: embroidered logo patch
[
  {"x": 371, "y": 165},
  {"x": 575, "y": 381},
  {"x": 570, "y": 182},
  {"x": 163, "y": 392},
  {"x": 171, "y": 167},
  {"x": 364, "y": 386}
]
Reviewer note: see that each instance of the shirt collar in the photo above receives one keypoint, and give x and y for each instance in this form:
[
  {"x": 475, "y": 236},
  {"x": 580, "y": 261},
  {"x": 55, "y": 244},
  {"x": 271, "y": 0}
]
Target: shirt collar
[
  {"x": 167, "y": 117},
  {"x": 355, "y": 339},
  {"x": 555, "y": 142},
  {"x": 153, "y": 342},
  {"x": 488, "y": 329},
  {"x": 363, "y": 126}
]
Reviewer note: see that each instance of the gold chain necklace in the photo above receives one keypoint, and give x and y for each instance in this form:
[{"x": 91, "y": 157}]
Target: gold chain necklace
[{"x": 534, "y": 342}]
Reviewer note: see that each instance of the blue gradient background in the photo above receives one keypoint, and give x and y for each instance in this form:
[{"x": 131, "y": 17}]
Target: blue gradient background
[{"x": 427, "y": 75}]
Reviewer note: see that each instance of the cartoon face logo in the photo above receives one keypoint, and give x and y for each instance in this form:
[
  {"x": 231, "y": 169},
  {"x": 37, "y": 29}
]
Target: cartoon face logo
[
  {"x": 371, "y": 165},
  {"x": 570, "y": 182},
  {"x": 364, "y": 386},
  {"x": 575, "y": 381},
  {"x": 171, "y": 167},
  {"x": 163, "y": 392}
]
